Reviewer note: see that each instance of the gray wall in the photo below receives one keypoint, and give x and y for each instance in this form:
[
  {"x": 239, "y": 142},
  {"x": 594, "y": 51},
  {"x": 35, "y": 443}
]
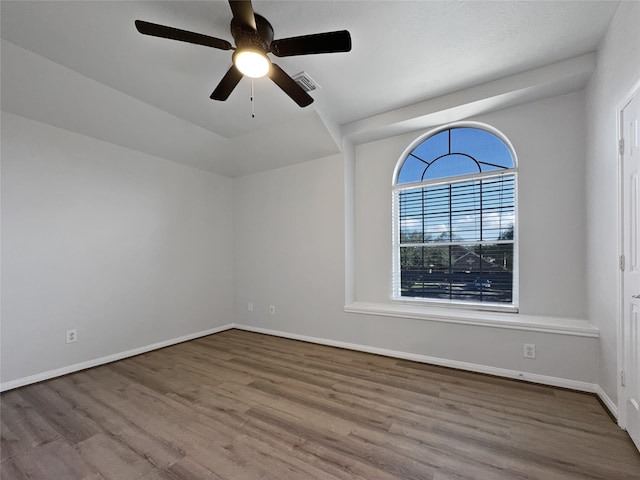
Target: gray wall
[
  {"x": 128, "y": 249},
  {"x": 289, "y": 244}
]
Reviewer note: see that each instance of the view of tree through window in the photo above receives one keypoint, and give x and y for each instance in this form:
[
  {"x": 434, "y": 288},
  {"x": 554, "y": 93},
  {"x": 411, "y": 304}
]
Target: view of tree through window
[{"x": 455, "y": 214}]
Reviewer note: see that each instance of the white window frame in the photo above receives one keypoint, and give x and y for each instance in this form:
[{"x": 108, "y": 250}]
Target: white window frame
[{"x": 396, "y": 297}]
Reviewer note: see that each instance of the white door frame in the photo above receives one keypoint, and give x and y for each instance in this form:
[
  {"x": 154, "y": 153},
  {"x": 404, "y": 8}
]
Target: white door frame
[{"x": 621, "y": 413}]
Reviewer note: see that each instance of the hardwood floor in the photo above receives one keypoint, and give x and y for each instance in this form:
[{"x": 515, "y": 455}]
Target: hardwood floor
[{"x": 240, "y": 405}]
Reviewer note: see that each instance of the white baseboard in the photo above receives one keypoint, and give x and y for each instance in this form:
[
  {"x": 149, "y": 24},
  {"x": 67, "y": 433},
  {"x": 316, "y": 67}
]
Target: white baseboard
[
  {"x": 443, "y": 362},
  {"x": 606, "y": 400},
  {"x": 21, "y": 382},
  {"x": 472, "y": 367}
]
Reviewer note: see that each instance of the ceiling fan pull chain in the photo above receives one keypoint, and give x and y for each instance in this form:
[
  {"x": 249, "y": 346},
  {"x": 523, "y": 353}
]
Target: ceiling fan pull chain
[{"x": 253, "y": 111}]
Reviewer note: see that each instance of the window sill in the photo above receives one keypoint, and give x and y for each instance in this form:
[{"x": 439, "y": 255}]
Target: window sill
[
  {"x": 513, "y": 321},
  {"x": 455, "y": 306}
]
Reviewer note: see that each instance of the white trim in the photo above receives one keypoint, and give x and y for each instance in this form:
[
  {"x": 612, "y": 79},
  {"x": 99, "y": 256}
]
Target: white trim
[
  {"x": 443, "y": 362},
  {"x": 532, "y": 323},
  {"x": 460, "y": 305},
  {"x": 622, "y": 420},
  {"x": 21, "y": 382},
  {"x": 610, "y": 404},
  {"x": 349, "y": 171},
  {"x": 461, "y": 242},
  {"x": 454, "y": 179}
]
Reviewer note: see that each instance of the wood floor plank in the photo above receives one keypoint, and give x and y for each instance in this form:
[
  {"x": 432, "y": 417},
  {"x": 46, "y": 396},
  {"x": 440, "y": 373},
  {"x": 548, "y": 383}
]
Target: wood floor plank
[
  {"x": 279, "y": 463},
  {"x": 113, "y": 459},
  {"x": 244, "y": 406},
  {"x": 72, "y": 424},
  {"x": 440, "y": 456},
  {"x": 22, "y": 434},
  {"x": 55, "y": 460},
  {"x": 86, "y": 399},
  {"x": 188, "y": 469},
  {"x": 289, "y": 443}
]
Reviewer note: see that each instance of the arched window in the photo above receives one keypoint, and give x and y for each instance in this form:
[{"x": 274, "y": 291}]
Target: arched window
[{"x": 454, "y": 220}]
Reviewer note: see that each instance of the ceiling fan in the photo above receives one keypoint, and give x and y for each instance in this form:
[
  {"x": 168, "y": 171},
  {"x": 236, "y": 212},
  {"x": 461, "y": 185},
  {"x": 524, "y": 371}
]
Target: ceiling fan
[{"x": 253, "y": 35}]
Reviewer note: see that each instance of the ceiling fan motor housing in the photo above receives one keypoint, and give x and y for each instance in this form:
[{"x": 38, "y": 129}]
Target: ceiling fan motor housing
[{"x": 247, "y": 38}]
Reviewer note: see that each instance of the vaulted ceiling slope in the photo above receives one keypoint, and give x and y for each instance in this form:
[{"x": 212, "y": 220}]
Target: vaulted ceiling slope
[{"x": 82, "y": 66}]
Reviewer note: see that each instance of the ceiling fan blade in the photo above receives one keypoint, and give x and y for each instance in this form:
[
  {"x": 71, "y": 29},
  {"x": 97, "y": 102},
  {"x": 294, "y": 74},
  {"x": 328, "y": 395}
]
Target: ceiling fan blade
[
  {"x": 163, "y": 31},
  {"x": 243, "y": 13},
  {"x": 328, "y": 42},
  {"x": 227, "y": 84},
  {"x": 289, "y": 86}
]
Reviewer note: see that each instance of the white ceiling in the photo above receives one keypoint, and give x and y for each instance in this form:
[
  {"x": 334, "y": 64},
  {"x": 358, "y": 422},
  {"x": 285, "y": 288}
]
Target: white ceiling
[{"x": 103, "y": 79}]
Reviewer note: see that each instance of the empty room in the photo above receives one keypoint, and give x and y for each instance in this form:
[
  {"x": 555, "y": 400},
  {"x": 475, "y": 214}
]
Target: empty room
[{"x": 362, "y": 240}]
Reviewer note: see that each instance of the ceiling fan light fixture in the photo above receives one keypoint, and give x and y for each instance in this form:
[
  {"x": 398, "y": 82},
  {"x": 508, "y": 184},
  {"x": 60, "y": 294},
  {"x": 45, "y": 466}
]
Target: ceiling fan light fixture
[
  {"x": 253, "y": 36},
  {"x": 252, "y": 63}
]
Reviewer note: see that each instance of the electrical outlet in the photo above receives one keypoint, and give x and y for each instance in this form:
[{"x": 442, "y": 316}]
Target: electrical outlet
[
  {"x": 250, "y": 307},
  {"x": 72, "y": 336},
  {"x": 272, "y": 309},
  {"x": 529, "y": 350}
]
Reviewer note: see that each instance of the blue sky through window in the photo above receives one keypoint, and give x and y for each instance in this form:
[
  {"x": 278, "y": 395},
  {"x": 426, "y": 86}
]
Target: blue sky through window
[{"x": 454, "y": 152}]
